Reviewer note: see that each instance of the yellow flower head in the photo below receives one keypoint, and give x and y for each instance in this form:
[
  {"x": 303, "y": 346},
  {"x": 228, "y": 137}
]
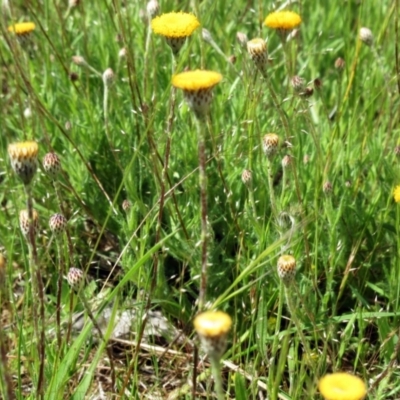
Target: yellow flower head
[
  {"x": 175, "y": 24},
  {"x": 284, "y": 20},
  {"x": 212, "y": 324},
  {"x": 196, "y": 80},
  {"x": 342, "y": 386},
  {"x": 22, "y": 28},
  {"x": 396, "y": 194},
  {"x": 23, "y": 150}
]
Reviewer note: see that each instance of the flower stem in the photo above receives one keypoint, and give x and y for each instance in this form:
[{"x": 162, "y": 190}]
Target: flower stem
[{"x": 216, "y": 371}]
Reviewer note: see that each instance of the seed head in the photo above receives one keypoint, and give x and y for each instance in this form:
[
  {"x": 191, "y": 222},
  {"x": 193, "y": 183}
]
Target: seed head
[
  {"x": 212, "y": 328},
  {"x": 232, "y": 59},
  {"x": 340, "y": 64},
  {"x": 286, "y": 268},
  {"x": 270, "y": 144},
  {"x": 153, "y": 8},
  {"x": 75, "y": 278},
  {"x": 366, "y": 36},
  {"x": 257, "y": 48},
  {"x": 206, "y": 35},
  {"x": 23, "y": 157},
  {"x": 57, "y": 224},
  {"x": 24, "y": 222},
  {"x": 51, "y": 165},
  {"x": 247, "y": 177},
  {"x": 108, "y": 77}
]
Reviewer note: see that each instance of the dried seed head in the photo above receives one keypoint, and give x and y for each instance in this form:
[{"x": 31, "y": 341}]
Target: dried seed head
[
  {"x": 270, "y": 144},
  {"x": 340, "y": 64},
  {"x": 153, "y": 8},
  {"x": 73, "y": 76},
  {"x": 397, "y": 151},
  {"x": 23, "y": 157},
  {"x": 212, "y": 328},
  {"x": 286, "y": 268},
  {"x": 247, "y": 177},
  {"x": 366, "y": 36},
  {"x": 57, "y": 224},
  {"x": 306, "y": 159},
  {"x": 51, "y": 165},
  {"x": 232, "y": 59},
  {"x": 75, "y": 278},
  {"x": 242, "y": 39},
  {"x": 307, "y": 92},
  {"x": 126, "y": 205},
  {"x": 298, "y": 84},
  {"x": 24, "y": 222},
  {"x": 327, "y": 187},
  {"x": 79, "y": 60},
  {"x": 108, "y": 77},
  {"x": 257, "y": 48},
  {"x": 317, "y": 83},
  {"x": 286, "y": 161}
]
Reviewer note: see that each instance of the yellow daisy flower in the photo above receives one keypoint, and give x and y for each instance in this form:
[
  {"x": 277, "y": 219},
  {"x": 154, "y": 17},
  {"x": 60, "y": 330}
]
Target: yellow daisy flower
[
  {"x": 396, "y": 194},
  {"x": 23, "y": 157},
  {"x": 342, "y": 386},
  {"x": 284, "y": 20},
  {"x": 22, "y": 28},
  {"x": 212, "y": 328},
  {"x": 175, "y": 24},
  {"x": 175, "y": 27},
  {"x": 197, "y": 86}
]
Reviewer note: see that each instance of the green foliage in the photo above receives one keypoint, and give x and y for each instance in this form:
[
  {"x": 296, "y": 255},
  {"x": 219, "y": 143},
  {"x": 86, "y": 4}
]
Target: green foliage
[{"x": 334, "y": 208}]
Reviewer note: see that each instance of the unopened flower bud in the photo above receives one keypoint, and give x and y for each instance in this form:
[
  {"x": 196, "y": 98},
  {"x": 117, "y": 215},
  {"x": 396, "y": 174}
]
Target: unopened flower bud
[
  {"x": 270, "y": 144},
  {"x": 242, "y": 39},
  {"x": 57, "y": 223},
  {"x": 247, "y": 177},
  {"x": 340, "y": 64},
  {"x": 24, "y": 222},
  {"x": 327, "y": 188},
  {"x": 51, "y": 165},
  {"x": 79, "y": 60},
  {"x": 286, "y": 268},
  {"x": 75, "y": 278},
  {"x": 126, "y": 205},
  {"x": 108, "y": 77},
  {"x": 298, "y": 84},
  {"x": 366, "y": 36},
  {"x": 153, "y": 8}
]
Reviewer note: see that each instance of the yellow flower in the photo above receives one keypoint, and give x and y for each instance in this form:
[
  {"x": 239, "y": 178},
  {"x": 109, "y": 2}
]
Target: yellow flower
[
  {"x": 396, "y": 194},
  {"x": 22, "y": 28},
  {"x": 196, "y": 80},
  {"x": 212, "y": 324},
  {"x": 175, "y": 24},
  {"x": 342, "y": 386},
  {"x": 23, "y": 156},
  {"x": 284, "y": 20},
  {"x": 197, "y": 87}
]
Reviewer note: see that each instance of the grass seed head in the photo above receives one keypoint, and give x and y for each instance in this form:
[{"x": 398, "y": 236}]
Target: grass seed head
[
  {"x": 57, "y": 224},
  {"x": 212, "y": 328},
  {"x": 24, "y": 222},
  {"x": 342, "y": 386},
  {"x": 23, "y": 157},
  {"x": 286, "y": 268}
]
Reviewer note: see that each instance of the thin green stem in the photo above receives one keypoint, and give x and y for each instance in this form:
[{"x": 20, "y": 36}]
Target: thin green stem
[{"x": 216, "y": 371}]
